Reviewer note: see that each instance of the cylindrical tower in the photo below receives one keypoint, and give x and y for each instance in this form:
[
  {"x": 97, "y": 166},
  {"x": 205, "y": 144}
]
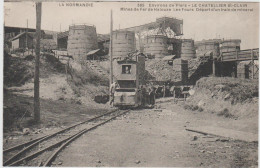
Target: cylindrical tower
[
  {"x": 205, "y": 46},
  {"x": 187, "y": 49},
  {"x": 81, "y": 40},
  {"x": 123, "y": 43},
  {"x": 156, "y": 45}
]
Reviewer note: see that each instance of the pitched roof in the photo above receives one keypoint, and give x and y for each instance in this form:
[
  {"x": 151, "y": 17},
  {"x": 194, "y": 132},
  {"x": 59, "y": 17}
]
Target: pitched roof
[
  {"x": 21, "y": 34},
  {"x": 168, "y": 57},
  {"x": 92, "y": 52}
]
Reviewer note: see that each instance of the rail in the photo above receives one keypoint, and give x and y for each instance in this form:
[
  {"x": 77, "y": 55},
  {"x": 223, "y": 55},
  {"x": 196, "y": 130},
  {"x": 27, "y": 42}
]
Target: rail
[{"x": 51, "y": 140}]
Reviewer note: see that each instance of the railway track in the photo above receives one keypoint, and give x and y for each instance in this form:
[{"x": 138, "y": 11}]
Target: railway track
[{"x": 43, "y": 151}]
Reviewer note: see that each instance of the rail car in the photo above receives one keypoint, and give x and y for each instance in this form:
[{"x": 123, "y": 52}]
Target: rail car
[{"x": 129, "y": 74}]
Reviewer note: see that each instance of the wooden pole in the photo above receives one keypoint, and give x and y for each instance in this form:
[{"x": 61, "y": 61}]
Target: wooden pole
[
  {"x": 236, "y": 55},
  {"x": 139, "y": 38},
  {"x": 110, "y": 49},
  {"x": 26, "y": 43},
  {"x": 253, "y": 68},
  {"x": 214, "y": 67},
  {"x": 37, "y": 63}
]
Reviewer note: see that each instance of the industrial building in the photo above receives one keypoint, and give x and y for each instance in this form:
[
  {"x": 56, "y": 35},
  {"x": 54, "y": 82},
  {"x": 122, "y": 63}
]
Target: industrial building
[
  {"x": 15, "y": 37},
  {"x": 22, "y": 40}
]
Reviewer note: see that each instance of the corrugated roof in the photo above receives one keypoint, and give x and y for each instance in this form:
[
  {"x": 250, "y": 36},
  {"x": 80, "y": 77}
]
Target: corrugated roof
[
  {"x": 92, "y": 52},
  {"x": 168, "y": 57}
]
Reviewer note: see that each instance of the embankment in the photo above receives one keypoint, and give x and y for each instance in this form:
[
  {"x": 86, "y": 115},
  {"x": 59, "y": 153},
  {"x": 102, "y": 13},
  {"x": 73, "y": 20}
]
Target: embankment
[{"x": 226, "y": 97}]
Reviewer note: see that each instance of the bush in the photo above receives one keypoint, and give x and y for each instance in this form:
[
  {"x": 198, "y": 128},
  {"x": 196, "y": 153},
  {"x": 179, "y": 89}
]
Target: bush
[
  {"x": 239, "y": 89},
  {"x": 200, "y": 109},
  {"x": 21, "y": 50},
  {"x": 52, "y": 60},
  {"x": 192, "y": 107},
  {"x": 225, "y": 112}
]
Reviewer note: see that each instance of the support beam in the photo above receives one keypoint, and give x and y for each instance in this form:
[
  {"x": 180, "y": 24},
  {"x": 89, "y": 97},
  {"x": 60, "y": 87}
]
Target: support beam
[
  {"x": 214, "y": 68},
  {"x": 26, "y": 36},
  {"x": 253, "y": 68}
]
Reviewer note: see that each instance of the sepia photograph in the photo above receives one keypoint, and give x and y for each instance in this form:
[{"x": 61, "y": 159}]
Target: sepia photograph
[{"x": 130, "y": 83}]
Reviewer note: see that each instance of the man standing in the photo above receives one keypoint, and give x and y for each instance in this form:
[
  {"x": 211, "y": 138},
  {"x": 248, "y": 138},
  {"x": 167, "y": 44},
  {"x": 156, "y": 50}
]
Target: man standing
[
  {"x": 152, "y": 95},
  {"x": 112, "y": 90}
]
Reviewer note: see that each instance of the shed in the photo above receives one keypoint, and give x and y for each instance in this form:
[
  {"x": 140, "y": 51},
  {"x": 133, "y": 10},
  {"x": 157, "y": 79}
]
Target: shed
[
  {"x": 95, "y": 54},
  {"x": 19, "y": 41}
]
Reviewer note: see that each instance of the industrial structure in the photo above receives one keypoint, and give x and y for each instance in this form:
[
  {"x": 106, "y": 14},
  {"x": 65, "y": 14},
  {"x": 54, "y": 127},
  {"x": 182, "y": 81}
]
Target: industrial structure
[
  {"x": 22, "y": 40},
  {"x": 187, "y": 49},
  {"x": 161, "y": 39},
  {"x": 206, "y": 47},
  {"x": 123, "y": 43},
  {"x": 156, "y": 46},
  {"x": 81, "y": 40}
]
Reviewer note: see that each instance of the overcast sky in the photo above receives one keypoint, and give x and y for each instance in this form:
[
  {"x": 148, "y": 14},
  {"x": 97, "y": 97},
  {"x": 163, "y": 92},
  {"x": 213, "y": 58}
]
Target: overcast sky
[{"x": 197, "y": 25}]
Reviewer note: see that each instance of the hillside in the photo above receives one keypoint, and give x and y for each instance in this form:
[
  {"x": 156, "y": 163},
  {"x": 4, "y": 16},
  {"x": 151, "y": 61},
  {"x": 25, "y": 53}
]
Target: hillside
[
  {"x": 227, "y": 97},
  {"x": 75, "y": 85}
]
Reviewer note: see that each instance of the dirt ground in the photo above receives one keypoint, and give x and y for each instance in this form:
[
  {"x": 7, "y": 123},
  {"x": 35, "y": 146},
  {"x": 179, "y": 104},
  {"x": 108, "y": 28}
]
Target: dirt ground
[
  {"x": 158, "y": 137},
  {"x": 55, "y": 115}
]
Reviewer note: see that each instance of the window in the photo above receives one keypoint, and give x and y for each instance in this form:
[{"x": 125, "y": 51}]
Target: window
[{"x": 126, "y": 69}]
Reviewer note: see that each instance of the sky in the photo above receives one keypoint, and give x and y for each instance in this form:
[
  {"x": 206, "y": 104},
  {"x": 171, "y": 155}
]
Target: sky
[{"x": 197, "y": 25}]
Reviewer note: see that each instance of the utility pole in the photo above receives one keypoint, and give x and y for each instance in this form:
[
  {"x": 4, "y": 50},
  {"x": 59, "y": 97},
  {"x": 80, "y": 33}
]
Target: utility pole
[
  {"x": 110, "y": 49},
  {"x": 37, "y": 63},
  {"x": 27, "y": 36},
  {"x": 111, "y": 56}
]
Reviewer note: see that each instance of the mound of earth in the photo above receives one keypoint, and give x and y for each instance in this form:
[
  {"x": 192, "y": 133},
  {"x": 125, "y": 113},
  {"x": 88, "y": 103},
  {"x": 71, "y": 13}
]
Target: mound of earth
[
  {"x": 19, "y": 70},
  {"x": 85, "y": 82},
  {"x": 236, "y": 90},
  {"x": 162, "y": 71},
  {"x": 73, "y": 85},
  {"x": 228, "y": 97}
]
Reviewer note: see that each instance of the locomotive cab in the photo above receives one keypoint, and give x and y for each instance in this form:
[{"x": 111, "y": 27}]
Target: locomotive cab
[{"x": 129, "y": 75}]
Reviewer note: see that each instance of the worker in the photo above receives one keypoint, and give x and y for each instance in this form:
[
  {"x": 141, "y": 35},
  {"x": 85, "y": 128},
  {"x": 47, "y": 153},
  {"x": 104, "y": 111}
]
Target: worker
[
  {"x": 151, "y": 95},
  {"x": 112, "y": 90},
  {"x": 144, "y": 94},
  {"x": 167, "y": 89},
  {"x": 127, "y": 70},
  {"x": 172, "y": 91}
]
